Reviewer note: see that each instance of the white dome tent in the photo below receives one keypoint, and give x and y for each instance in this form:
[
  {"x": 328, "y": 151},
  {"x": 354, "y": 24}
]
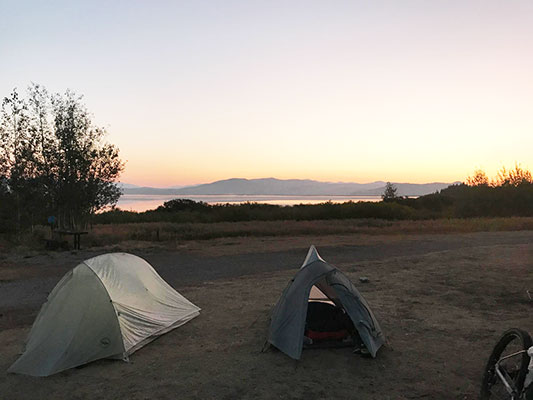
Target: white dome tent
[{"x": 107, "y": 307}]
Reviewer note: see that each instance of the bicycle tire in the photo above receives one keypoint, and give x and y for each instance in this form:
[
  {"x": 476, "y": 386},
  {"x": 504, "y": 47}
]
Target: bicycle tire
[{"x": 489, "y": 372}]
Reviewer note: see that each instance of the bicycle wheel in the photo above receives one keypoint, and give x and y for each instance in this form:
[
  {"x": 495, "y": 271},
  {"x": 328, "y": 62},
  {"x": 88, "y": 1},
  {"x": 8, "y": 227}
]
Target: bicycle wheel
[{"x": 512, "y": 341}]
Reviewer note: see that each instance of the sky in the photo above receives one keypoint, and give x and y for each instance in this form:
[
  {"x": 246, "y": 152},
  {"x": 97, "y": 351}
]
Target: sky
[{"x": 354, "y": 91}]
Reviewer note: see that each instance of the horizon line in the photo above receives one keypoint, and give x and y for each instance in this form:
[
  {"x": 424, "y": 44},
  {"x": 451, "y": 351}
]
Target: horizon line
[{"x": 178, "y": 186}]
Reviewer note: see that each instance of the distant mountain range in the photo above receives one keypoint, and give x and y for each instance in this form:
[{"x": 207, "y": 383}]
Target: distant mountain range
[{"x": 289, "y": 187}]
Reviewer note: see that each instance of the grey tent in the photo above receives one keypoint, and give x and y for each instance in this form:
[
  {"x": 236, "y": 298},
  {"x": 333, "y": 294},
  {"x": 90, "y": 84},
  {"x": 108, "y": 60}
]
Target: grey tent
[
  {"x": 107, "y": 307},
  {"x": 289, "y": 315}
]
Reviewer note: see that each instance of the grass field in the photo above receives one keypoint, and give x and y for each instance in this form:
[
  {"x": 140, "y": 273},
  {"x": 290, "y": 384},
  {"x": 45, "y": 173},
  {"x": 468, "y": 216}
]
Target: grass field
[
  {"x": 171, "y": 232},
  {"x": 173, "y": 235}
]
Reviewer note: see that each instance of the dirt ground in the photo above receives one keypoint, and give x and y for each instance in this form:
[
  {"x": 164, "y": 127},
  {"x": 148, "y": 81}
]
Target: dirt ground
[{"x": 442, "y": 301}]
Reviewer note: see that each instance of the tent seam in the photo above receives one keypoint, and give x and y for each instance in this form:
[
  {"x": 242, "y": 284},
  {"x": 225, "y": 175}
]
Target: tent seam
[{"x": 112, "y": 306}]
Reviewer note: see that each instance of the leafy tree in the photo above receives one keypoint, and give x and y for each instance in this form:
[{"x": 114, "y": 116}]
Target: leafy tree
[
  {"x": 183, "y": 204},
  {"x": 390, "y": 193},
  {"x": 514, "y": 177},
  {"x": 13, "y": 149},
  {"x": 54, "y": 160},
  {"x": 478, "y": 179},
  {"x": 84, "y": 167}
]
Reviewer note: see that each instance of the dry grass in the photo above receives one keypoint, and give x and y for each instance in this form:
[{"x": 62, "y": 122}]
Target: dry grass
[
  {"x": 172, "y": 232},
  {"x": 174, "y": 235}
]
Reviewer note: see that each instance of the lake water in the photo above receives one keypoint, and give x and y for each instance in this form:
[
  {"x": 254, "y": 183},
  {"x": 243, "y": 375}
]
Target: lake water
[{"x": 143, "y": 202}]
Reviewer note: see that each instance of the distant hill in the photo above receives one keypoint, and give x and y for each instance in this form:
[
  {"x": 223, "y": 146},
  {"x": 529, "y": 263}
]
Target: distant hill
[
  {"x": 414, "y": 189},
  {"x": 290, "y": 187},
  {"x": 127, "y": 185}
]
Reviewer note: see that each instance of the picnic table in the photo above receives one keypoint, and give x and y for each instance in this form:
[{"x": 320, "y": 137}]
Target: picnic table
[{"x": 76, "y": 236}]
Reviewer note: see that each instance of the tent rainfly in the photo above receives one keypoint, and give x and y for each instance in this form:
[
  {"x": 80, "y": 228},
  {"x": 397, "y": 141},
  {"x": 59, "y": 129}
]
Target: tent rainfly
[
  {"x": 107, "y": 307},
  {"x": 288, "y": 322}
]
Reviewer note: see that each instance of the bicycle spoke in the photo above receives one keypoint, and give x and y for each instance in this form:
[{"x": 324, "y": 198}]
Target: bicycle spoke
[{"x": 507, "y": 366}]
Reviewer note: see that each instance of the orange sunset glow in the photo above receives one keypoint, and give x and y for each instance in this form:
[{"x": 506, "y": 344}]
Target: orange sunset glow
[{"x": 357, "y": 92}]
